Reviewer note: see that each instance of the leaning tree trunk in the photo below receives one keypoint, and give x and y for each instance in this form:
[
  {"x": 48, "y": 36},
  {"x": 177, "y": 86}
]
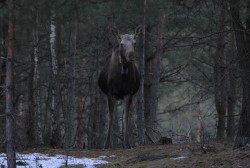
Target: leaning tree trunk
[
  {"x": 220, "y": 79},
  {"x": 11, "y": 159},
  {"x": 243, "y": 44},
  {"x": 54, "y": 132}
]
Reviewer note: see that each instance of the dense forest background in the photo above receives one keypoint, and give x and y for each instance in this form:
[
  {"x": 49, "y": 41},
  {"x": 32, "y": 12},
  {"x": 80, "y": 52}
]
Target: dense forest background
[{"x": 195, "y": 70}]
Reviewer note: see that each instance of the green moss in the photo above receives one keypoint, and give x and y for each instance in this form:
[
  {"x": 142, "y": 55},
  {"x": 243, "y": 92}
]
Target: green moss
[
  {"x": 111, "y": 165},
  {"x": 25, "y": 152}
]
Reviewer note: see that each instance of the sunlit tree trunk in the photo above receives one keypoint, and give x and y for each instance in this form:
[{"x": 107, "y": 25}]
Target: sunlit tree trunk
[
  {"x": 10, "y": 142},
  {"x": 36, "y": 87},
  {"x": 220, "y": 79},
  {"x": 54, "y": 132}
]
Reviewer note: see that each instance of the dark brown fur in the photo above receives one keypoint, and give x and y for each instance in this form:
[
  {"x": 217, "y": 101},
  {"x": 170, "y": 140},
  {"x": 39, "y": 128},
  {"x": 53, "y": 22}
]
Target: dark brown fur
[{"x": 112, "y": 81}]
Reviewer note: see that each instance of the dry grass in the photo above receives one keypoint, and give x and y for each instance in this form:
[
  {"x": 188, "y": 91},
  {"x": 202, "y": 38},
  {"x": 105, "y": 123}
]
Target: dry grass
[{"x": 217, "y": 155}]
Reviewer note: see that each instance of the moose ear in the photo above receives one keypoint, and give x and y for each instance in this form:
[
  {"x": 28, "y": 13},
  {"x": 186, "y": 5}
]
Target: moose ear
[
  {"x": 115, "y": 32},
  {"x": 138, "y": 31}
]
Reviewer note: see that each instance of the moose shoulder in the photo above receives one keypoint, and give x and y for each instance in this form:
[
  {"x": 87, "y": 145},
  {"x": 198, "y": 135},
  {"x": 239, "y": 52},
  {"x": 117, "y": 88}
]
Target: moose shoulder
[{"x": 120, "y": 79}]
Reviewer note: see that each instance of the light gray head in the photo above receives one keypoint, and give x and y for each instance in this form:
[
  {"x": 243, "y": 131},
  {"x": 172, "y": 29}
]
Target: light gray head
[
  {"x": 127, "y": 45},
  {"x": 127, "y": 50}
]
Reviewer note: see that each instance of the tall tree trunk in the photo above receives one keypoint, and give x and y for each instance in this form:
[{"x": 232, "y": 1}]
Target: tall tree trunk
[
  {"x": 54, "y": 133},
  {"x": 20, "y": 125},
  {"x": 220, "y": 79},
  {"x": 71, "y": 99},
  {"x": 81, "y": 119},
  {"x": 232, "y": 78},
  {"x": 99, "y": 120},
  {"x": 198, "y": 122},
  {"x": 101, "y": 108},
  {"x": 243, "y": 44},
  {"x": 36, "y": 88},
  {"x": 11, "y": 159},
  {"x": 90, "y": 114},
  {"x": 152, "y": 80},
  {"x": 140, "y": 110},
  {"x": 3, "y": 54},
  {"x": 30, "y": 125},
  {"x": 3, "y": 46}
]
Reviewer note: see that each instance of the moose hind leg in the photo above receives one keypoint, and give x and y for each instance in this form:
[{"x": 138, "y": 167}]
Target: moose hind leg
[
  {"x": 127, "y": 103},
  {"x": 109, "y": 140}
]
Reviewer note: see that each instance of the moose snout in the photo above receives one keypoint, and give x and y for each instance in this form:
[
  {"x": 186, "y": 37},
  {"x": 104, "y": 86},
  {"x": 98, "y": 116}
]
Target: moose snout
[{"x": 131, "y": 56}]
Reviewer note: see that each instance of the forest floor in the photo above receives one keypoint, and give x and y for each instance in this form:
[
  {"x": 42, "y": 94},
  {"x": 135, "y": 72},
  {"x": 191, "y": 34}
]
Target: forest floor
[{"x": 214, "y": 155}]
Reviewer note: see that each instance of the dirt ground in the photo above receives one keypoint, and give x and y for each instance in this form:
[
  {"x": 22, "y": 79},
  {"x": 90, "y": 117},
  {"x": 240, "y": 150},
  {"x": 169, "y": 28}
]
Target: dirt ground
[{"x": 214, "y": 155}]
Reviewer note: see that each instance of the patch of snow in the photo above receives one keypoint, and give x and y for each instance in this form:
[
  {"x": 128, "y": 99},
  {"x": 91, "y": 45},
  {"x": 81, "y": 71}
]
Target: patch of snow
[
  {"x": 34, "y": 160},
  {"x": 106, "y": 156},
  {"x": 180, "y": 157}
]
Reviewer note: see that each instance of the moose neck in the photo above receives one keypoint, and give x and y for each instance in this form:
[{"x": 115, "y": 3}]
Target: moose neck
[{"x": 118, "y": 60}]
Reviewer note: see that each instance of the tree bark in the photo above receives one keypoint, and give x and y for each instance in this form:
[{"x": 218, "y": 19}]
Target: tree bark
[
  {"x": 54, "y": 132},
  {"x": 3, "y": 48},
  {"x": 20, "y": 126},
  {"x": 220, "y": 79},
  {"x": 198, "y": 123},
  {"x": 231, "y": 103},
  {"x": 11, "y": 158},
  {"x": 81, "y": 119},
  {"x": 140, "y": 110},
  {"x": 30, "y": 125},
  {"x": 152, "y": 80},
  {"x": 243, "y": 44},
  {"x": 3, "y": 54},
  {"x": 38, "y": 114},
  {"x": 71, "y": 95}
]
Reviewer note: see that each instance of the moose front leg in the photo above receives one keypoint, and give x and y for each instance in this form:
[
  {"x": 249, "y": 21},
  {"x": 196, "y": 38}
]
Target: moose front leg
[
  {"x": 127, "y": 104},
  {"x": 109, "y": 140}
]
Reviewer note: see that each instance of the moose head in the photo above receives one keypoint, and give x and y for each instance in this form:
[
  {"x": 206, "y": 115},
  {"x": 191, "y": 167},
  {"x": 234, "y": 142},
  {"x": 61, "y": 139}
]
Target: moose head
[{"x": 126, "y": 44}]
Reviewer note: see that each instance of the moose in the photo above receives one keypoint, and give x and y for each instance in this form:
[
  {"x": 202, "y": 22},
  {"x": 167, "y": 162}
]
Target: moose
[{"x": 120, "y": 79}]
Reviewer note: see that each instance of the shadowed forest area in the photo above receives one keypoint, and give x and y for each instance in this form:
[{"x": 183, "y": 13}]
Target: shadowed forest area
[{"x": 194, "y": 63}]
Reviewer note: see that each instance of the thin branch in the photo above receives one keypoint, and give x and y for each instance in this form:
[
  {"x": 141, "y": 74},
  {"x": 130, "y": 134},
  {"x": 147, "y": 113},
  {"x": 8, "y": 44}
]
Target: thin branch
[{"x": 178, "y": 108}]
